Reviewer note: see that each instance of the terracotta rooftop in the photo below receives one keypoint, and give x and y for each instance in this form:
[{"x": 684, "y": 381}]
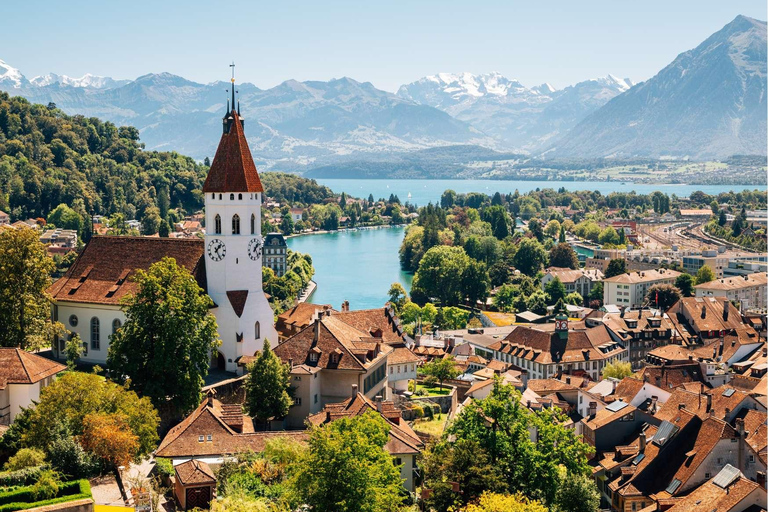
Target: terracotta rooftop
[
  {"x": 233, "y": 169},
  {"x": 401, "y": 355},
  {"x": 102, "y": 272},
  {"x": 735, "y": 283},
  {"x": 370, "y": 320},
  {"x": 710, "y": 496},
  {"x": 671, "y": 376},
  {"x": 567, "y": 275},
  {"x": 21, "y": 367},
  {"x": 194, "y": 472},
  {"x": 643, "y": 276}
]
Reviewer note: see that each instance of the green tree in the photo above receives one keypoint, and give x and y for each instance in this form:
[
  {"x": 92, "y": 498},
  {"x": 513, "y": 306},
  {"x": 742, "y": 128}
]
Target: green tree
[
  {"x": 616, "y": 266},
  {"x": 704, "y": 275},
  {"x": 552, "y": 229},
  {"x": 555, "y": 290},
  {"x": 441, "y": 369},
  {"x": 450, "y": 317},
  {"x": 505, "y": 297},
  {"x": 530, "y": 256},
  {"x": 617, "y": 370},
  {"x": 347, "y": 469},
  {"x": 563, "y": 256},
  {"x": 609, "y": 236},
  {"x": 577, "y": 493},
  {"x": 164, "y": 345},
  {"x": 66, "y": 218},
  {"x": 73, "y": 349},
  {"x": 574, "y": 299},
  {"x": 397, "y": 296},
  {"x": 440, "y": 275},
  {"x": 493, "y": 502},
  {"x": 164, "y": 230},
  {"x": 722, "y": 220},
  {"x": 663, "y": 296},
  {"x": 475, "y": 282},
  {"x": 561, "y": 238},
  {"x": 150, "y": 223},
  {"x": 286, "y": 224},
  {"x": 268, "y": 385},
  {"x": 537, "y": 302},
  {"x": 25, "y": 270},
  {"x": 498, "y": 218},
  {"x": 685, "y": 283}
]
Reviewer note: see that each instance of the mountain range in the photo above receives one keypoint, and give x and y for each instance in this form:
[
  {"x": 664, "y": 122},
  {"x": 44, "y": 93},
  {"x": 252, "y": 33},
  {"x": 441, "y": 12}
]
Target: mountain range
[{"x": 710, "y": 102}]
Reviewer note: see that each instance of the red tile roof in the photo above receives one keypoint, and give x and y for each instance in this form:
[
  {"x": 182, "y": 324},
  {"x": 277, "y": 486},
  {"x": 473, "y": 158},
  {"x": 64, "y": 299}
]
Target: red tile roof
[
  {"x": 194, "y": 472},
  {"x": 20, "y": 367},
  {"x": 102, "y": 272},
  {"x": 233, "y": 169}
]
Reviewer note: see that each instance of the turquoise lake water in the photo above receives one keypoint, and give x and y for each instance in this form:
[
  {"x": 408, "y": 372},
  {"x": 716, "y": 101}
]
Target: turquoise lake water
[{"x": 359, "y": 266}]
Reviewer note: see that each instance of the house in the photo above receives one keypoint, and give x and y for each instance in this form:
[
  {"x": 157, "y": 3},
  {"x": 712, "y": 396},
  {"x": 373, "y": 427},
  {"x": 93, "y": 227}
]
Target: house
[
  {"x": 276, "y": 253},
  {"x": 5, "y": 219},
  {"x": 629, "y": 289},
  {"x": 575, "y": 350},
  {"x": 227, "y": 264},
  {"x": 23, "y": 376},
  {"x": 296, "y": 214},
  {"x": 401, "y": 365},
  {"x": 60, "y": 238},
  {"x": 749, "y": 291},
  {"x": 297, "y": 318},
  {"x": 727, "y": 491},
  {"x": 614, "y": 424},
  {"x": 579, "y": 281},
  {"x": 327, "y": 358},
  {"x": 215, "y": 431},
  {"x": 641, "y": 330},
  {"x": 404, "y": 445}
]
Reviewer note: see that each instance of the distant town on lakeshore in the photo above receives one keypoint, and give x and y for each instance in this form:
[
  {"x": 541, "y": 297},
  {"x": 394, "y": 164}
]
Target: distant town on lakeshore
[{"x": 205, "y": 304}]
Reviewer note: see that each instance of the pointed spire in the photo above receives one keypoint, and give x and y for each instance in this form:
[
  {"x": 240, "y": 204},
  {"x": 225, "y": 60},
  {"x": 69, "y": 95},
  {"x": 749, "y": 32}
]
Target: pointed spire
[{"x": 233, "y": 85}]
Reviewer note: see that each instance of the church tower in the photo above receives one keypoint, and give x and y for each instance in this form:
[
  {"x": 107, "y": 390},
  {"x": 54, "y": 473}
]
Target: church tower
[{"x": 233, "y": 246}]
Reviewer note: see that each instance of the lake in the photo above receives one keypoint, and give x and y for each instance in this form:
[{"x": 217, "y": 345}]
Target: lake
[
  {"x": 359, "y": 266},
  {"x": 424, "y": 191}
]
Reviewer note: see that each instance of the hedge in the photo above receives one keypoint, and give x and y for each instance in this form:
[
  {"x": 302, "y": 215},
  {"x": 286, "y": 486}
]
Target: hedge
[
  {"x": 19, "y": 499},
  {"x": 26, "y": 476}
]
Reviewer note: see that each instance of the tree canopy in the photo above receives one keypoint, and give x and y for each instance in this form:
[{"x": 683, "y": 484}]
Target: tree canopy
[{"x": 267, "y": 389}]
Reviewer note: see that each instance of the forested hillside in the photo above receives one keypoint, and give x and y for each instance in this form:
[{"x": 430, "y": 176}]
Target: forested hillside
[{"x": 48, "y": 158}]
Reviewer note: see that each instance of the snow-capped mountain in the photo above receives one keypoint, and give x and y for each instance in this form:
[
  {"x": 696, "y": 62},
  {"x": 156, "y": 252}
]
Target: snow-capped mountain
[
  {"x": 11, "y": 77},
  {"x": 87, "y": 80},
  {"x": 519, "y": 117},
  {"x": 710, "y": 102}
]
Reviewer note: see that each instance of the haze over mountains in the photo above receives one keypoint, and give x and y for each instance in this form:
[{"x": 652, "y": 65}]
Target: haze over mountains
[{"x": 710, "y": 102}]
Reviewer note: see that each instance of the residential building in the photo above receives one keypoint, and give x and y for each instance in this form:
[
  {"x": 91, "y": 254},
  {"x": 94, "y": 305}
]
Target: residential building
[
  {"x": 227, "y": 264},
  {"x": 276, "y": 253},
  {"x": 579, "y": 281},
  {"x": 401, "y": 366},
  {"x": 327, "y": 358},
  {"x": 22, "y": 376},
  {"x": 629, "y": 290},
  {"x": 297, "y": 318},
  {"x": 640, "y": 330},
  {"x": 611, "y": 426},
  {"x": 215, "y": 431},
  {"x": 727, "y": 491},
  {"x": 60, "y": 238},
  {"x": 404, "y": 445},
  {"x": 749, "y": 291},
  {"x": 711, "y": 258},
  {"x": 297, "y": 214}
]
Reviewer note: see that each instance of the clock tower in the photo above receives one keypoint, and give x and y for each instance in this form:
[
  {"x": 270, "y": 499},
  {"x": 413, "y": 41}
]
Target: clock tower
[{"x": 233, "y": 246}]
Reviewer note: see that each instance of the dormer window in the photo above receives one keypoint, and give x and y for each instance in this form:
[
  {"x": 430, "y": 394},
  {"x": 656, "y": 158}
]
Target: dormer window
[
  {"x": 334, "y": 359},
  {"x": 313, "y": 357}
]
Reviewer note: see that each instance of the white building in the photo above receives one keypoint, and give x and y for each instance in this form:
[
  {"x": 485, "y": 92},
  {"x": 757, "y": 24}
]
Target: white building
[
  {"x": 228, "y": 264},
  {"x": 401, "y": 366},
  {"x": 750, "y": 291},
  {"x": 711, "y": 258},
  {"x": 579, "y": 280},
  {"x": 22, "y": 376},
  {"x": 629, "y": 289}
]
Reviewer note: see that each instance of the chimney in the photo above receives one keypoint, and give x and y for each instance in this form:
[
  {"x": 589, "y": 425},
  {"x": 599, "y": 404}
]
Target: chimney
[
  {"x": 567, "y": 380},
  {"x": 290, "y": 363},
  {"x": 317, "y": 329},
  {"x": 709, "y": 402},
  {"x": 742, "y": 437},
  {"x": 379, "y": 403},
  {"x": 703, "y": 311},
  {"x": 642, "y": 441},
  {"x": 354, "y": 390},
  {"x": 209, "y": 397},
  {"x": 726, "y": 306},
  {"x": 680, "y": 407},
  {"x": 727, "y": 412}
]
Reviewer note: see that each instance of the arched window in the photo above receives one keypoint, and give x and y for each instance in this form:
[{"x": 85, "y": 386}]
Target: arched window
[
  {"x": 253, "y": 224},
  {"x": 217, "y": 224},
  {"x": 258, "y": 330},
  {"x": 231, "y": 197},
  {"x": 236, "y": 224},
  {"x": 95, "y": 334},
  {"x": 240, "y": 197},
  {"x": 219, "y": 197},
  {"x": 116, "y": 324},
  {"x": 213, "y": 196}
]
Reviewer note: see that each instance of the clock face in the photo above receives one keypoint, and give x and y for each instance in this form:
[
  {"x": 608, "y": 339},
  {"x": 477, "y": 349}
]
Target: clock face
[
  {"x": 254, "y": 248},
  {"x": 216, "y": 250}
]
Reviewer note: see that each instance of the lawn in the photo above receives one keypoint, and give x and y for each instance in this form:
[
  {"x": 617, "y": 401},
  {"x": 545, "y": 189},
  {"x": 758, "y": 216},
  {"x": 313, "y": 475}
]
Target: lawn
[
  {"x": 433, "y": 427},
  {"x": 433, "y": 390}
]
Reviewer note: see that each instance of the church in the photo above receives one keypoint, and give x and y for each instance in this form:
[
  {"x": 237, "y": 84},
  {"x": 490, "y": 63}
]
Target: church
[{"x": 227, "y": 264}]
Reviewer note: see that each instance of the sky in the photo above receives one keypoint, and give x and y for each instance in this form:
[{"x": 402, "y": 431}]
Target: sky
[{"x": 387, "y": 43}]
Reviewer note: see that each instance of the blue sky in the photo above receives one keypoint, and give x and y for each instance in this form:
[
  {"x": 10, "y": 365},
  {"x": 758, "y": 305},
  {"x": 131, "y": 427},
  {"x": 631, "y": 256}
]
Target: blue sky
[{"x": 387, "y": 43}]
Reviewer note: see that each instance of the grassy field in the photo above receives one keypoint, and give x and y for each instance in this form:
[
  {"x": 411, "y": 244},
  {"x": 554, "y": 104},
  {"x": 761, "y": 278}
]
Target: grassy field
[
  {"x": 433, "y": 390},
  {"x": 433, "y": 427}
]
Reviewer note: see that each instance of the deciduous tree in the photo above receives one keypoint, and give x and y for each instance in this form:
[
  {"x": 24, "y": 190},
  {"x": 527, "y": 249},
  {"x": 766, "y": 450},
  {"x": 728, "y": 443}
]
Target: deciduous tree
[
  {"x": 616, "y": 267},
  {"x": 704, "y": 275},
  {"x": 617, "y": 370},
  {"x": 663, "y": 296},
  {"x": 530, "y": 256},
  {"x": 109, "y": 437},
  {"x": 685, "y": 283},
  {"x": 441, "y": 368},
  {"x": 165, "y": 343},
  {"x": 268, "y": 385},
  {"x": 562, "y": 255}
]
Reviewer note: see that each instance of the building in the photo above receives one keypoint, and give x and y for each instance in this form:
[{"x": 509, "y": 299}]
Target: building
[
  {"x": 579, "y": 281},
  {"x": 22, "y": 376},
  {"x": 695, "y": 214},
  {"x": 629, "y": 290},
  {"x": 327, "y": 358},
  {"x": 728, "y": 491},
  {"x": 194, "y": 485},
  {"x": 227, "y": 264},
  {"x": 545, "y": 353},
  {"x": 717, "y": 262},
  {"x": 276, "y": 253},
  {"x": 5, "y": 219},
  {"x": 749, "y": 291},
  {"x": 404, "y": 445},
  {"x": 293, "y": 320},
  {"x": 60, "y": 238},
  {"x": 641, "y": 330},
  {"x": 296, "y": 214},
  {"x": 401, "y": 365},
  {"x": 215, "y": 431}
]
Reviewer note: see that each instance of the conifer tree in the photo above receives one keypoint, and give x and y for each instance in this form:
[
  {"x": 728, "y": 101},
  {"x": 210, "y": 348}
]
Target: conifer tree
[{"x": 268, "y": 386}]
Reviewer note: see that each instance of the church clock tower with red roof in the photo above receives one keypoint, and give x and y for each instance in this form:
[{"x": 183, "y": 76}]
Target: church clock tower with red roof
[{"x": 233, "y": 246}]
